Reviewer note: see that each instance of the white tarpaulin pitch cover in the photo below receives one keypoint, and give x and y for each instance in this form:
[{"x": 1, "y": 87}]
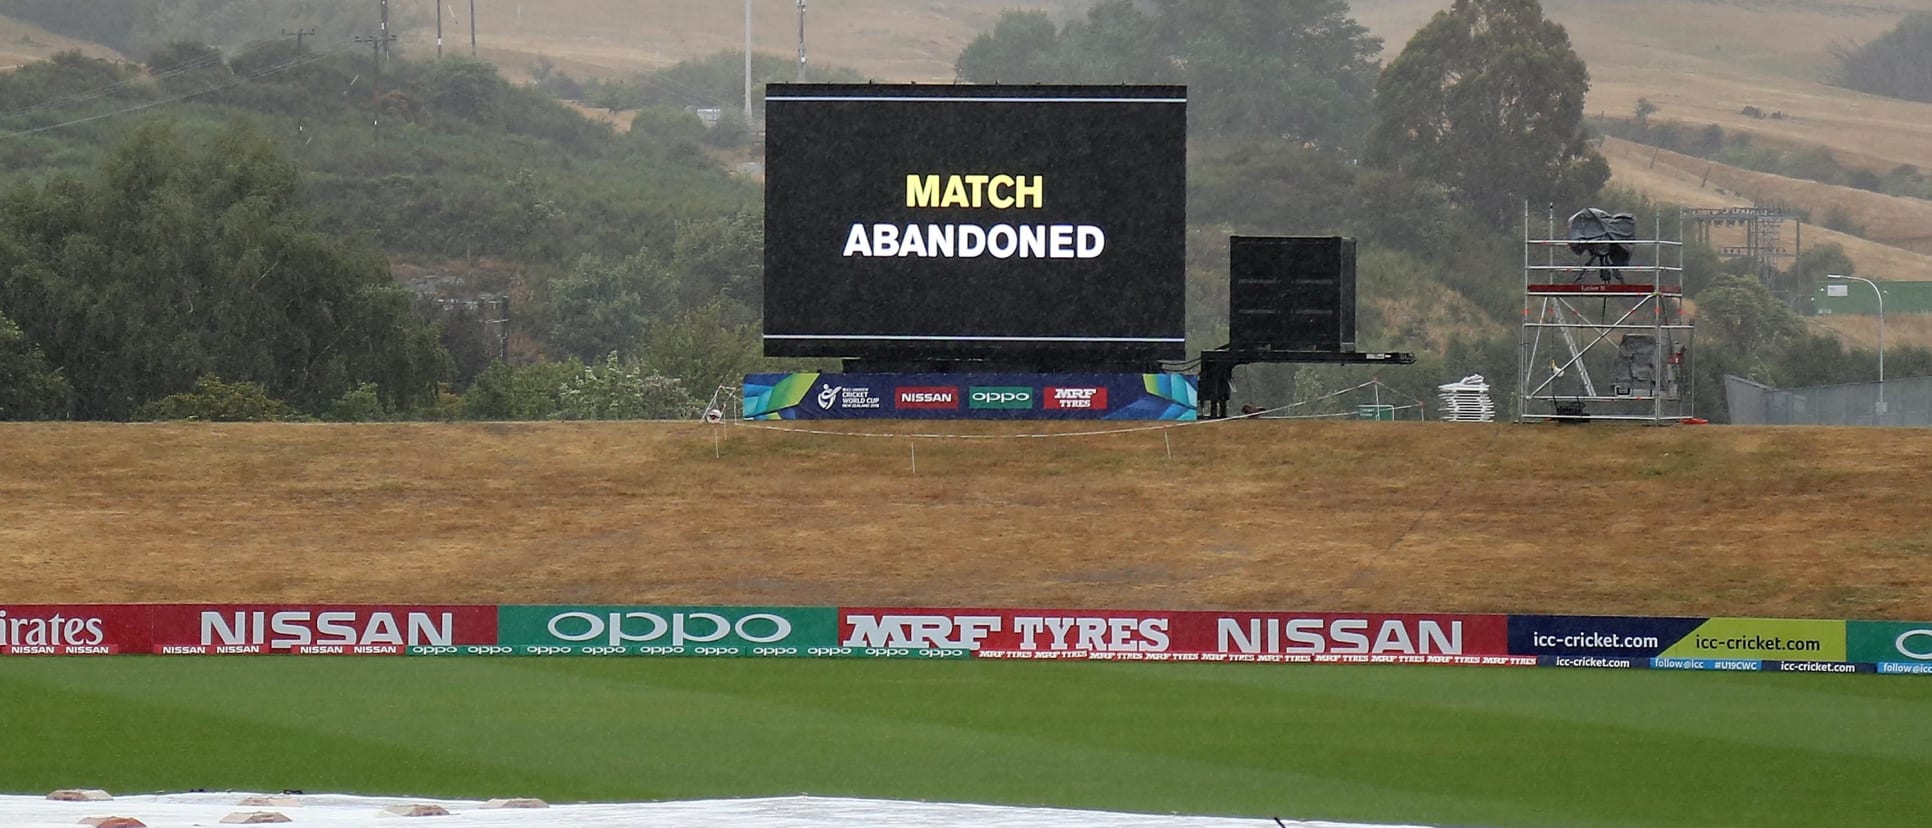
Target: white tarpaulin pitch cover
[{"x": 334, "y": 811}]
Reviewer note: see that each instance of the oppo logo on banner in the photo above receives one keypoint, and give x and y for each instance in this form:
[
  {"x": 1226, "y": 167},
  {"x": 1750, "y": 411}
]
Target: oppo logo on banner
[
  {"x": 696, "y": 627},
  {"x": 1921, "y": 650}
]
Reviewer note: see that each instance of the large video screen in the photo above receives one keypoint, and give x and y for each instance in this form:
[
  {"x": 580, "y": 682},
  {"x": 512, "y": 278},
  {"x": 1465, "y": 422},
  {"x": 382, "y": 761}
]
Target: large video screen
[{"x": 970, "y": 221}]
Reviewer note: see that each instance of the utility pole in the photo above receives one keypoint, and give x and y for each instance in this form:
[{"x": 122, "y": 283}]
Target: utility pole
[
  {"x": 502, "y": 328},
  {"x": 801, "y": 41},
  {"x": 748, "y": 64},
  {"x": 472, "y": 28},
  {"x": 298, "y": 34},
  {"x": 384, "y": 34},
  {"x": 377, "y": 45},
  {"x": 301, "y": 122},
  {"x": 439, "y": 29}
]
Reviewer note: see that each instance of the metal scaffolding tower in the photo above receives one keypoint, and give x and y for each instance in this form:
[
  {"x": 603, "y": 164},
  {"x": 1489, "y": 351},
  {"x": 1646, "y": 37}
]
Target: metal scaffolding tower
[
  {"x": 1601, "y": 341},
  {"x": 1754, "y": 233}
]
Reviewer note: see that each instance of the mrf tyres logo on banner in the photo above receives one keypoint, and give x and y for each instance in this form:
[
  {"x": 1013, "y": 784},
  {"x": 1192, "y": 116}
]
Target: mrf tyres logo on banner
[
  {"x": 622, "y": 630},
  {"x": 1003, "y": 633},
  {"x": 1085, "y": 398}
]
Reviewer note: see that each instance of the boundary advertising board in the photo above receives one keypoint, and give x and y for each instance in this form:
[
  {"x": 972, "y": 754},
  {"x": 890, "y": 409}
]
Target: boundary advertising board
[
  {"x": 1144, "y": 635},
  {"x": 1588, "y": 641},
  {"x": 241, "y": 629}
]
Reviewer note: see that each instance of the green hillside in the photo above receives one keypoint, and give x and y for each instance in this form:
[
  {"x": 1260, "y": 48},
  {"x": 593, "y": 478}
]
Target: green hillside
[{"x": 530, "y": 233}]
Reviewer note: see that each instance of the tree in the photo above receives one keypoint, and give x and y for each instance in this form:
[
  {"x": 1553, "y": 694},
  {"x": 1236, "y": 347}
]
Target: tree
[
  {"x": 1644, "y": 110},
  {"x": 721, "y": 257},
  {"x": 602, "y": 307},
  {"x": 1022, "y": 48},
  {"x": 175, "y": 262},
  {"x": 1301, "y": 70},
  {"x": 527, "y": 392},
  {"x": 1812, "y": 266},
  {"x": 215, "y": 401},
  {"x": 468, "y": 88},
  {"x": 1116, "y": 42},
  {"x": 30, "y": 389},
  {"x": 703, "y": 348},
  {"x": 1898, "y": 64},
  {"x": 621, "y": 389},
  {"x": 1296, "y": 69},
  {"x": 1746, "y": 322},
  {"x": 1487, "y": 100}
]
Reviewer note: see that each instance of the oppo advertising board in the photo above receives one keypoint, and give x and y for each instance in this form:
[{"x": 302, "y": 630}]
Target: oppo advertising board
[{"x": 971, "y": 221}]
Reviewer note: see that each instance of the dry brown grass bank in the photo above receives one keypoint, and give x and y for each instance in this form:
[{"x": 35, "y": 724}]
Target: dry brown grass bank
[{"x": 1345, "y": 516}]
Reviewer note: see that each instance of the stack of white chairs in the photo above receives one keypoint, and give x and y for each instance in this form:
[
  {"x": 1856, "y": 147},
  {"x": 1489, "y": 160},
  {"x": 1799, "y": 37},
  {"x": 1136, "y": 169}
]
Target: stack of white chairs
[{"x": 1466, "y": 401}]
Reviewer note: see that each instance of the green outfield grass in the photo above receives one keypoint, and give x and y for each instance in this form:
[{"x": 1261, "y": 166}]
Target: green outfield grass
[{"x": 1444, "y": 746}]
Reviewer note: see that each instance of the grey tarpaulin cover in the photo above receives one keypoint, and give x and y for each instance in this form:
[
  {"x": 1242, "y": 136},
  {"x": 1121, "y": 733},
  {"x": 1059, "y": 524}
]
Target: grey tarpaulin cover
[
  {"x": 1635, "y": 369},
  {"x": 1595, "y": 233}
]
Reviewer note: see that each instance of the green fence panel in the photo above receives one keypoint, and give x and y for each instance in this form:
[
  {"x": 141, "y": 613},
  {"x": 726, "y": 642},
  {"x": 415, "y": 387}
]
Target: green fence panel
[{"x": 670, "y": 631}]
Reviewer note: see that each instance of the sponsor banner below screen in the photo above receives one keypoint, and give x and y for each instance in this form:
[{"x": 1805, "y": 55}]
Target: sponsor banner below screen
[
  {"x": 632, "y": 630},
  {"x": 239, "y": 629},
  {"x": 971, "y": 396},
  {"x": 1889, "y": 642},
  {"x": 1145, "y": 635},
  {"x": 1764, "y": 639},
  {"x": 1596, "y": 635}
]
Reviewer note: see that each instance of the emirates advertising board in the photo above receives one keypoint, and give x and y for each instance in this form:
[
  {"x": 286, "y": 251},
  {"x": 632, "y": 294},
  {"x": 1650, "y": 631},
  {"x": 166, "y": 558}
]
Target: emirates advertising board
[{"x": 965, "y": 221}]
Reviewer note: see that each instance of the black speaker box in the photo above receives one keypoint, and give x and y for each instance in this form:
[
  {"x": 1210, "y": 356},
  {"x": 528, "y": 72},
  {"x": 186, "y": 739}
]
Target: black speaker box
[{"x": 1292, "y": 293}]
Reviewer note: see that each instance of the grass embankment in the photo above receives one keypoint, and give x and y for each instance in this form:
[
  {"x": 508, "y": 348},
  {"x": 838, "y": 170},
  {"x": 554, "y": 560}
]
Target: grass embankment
[
  {"x": 1824, "y": 523},
  {"x": 1445, "y": 746}
]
